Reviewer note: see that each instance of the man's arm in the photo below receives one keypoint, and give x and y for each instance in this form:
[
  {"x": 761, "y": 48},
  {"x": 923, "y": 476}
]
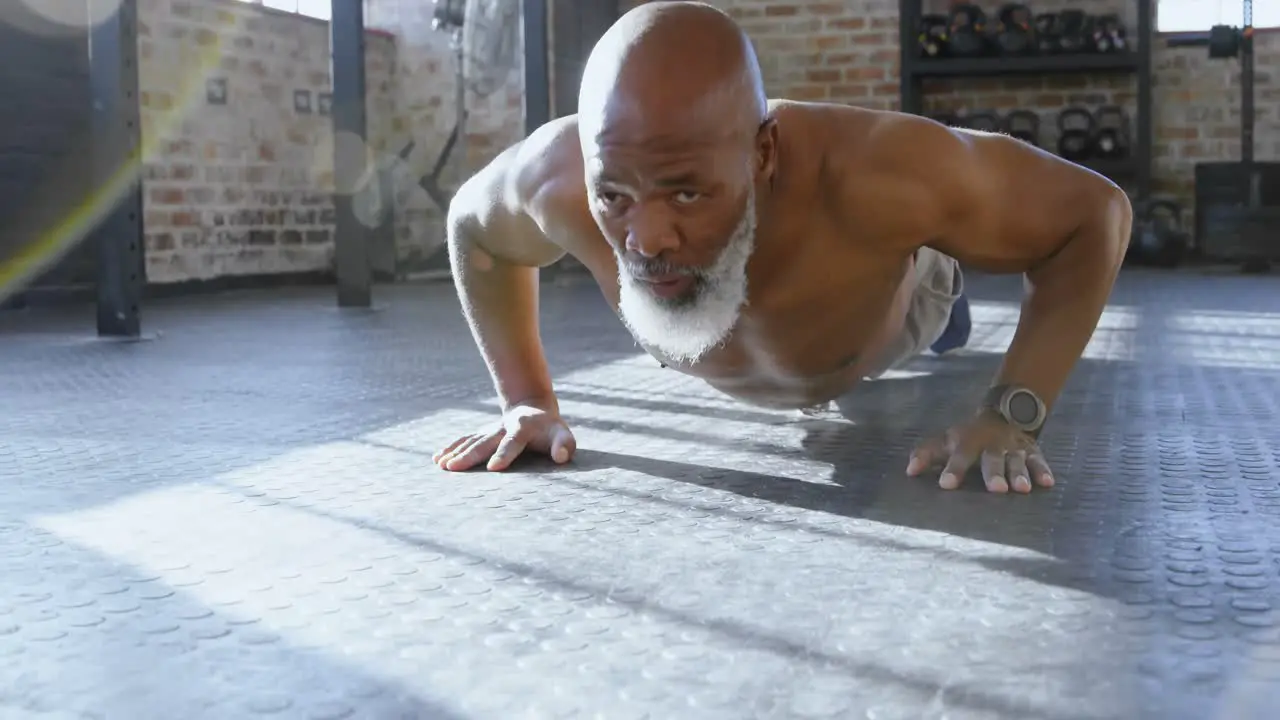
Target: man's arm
[
  {"x": 495, "y": 249},
  {"x": 999, "y": 205}
]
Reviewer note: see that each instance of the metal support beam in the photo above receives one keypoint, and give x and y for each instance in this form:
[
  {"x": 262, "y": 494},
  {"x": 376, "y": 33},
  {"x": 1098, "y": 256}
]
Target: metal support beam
[
  {"x": 1247, "y": 118},
  {"x": 115, "y": 168},
  {"x": 537, "y": 70},
  {"x": 1146, "y": 118},
  {"x": 351, "y": 238}
]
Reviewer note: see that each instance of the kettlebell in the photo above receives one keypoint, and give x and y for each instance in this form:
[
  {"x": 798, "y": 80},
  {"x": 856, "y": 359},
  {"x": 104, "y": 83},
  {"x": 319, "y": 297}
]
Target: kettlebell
[
  {"x": 1046, "y": 25},
  {"x": 1023, "y": 125},
  {"x": 1073, "y": 32},
  {"x": 1076, "y": 127},
  {"x": 933, "y": 36},
  {"x": 1109, "y": 34},
  {"x": 1015, "y": 34},
  {"x": 1111, "y": 138},
  {"x": 1161, "y": 240},
  {"x": 967, "y": 30}
]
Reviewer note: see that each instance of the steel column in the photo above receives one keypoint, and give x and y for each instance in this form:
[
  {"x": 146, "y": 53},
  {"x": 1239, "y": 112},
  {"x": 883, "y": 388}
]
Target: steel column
[
  {"x": 351, "y": 238},
  {"x": 1146, "y": 117},
  {"x": 115, "y": 169},
  {"x": 537, "y": 58}
]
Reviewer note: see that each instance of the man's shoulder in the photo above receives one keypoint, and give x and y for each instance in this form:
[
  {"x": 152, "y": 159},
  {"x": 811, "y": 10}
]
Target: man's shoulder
[
  {"x": 846, "y": 133},
  {"x": 866, "y": 166},
  {"x": 532, "y": 175},
  {"x": 547, "y": 181},
  {"x": 548, "y": 161}
]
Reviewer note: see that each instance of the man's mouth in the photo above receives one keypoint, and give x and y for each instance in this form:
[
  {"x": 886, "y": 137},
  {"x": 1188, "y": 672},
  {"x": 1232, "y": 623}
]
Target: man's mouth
[{"x": 668, "y": 286}]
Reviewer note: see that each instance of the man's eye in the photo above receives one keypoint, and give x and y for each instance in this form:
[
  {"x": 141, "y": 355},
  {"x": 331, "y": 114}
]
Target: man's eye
[
  {"x": 609, "y": 198},
  {"x": 684, "y": 197}
]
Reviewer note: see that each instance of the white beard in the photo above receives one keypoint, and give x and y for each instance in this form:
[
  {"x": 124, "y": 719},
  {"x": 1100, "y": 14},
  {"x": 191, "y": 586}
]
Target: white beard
[{"x": 686, "y": 329}]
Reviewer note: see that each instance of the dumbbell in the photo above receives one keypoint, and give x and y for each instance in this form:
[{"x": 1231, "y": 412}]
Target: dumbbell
[
  {"x": 1015, "y": 34},
  {"x": 1072, "y": 29},
  {"x": 1111, "y": 134},
  {"x": 1023, "y": 125},
  {"x": 933, "y": 36},
  {"x": 966, "y": 30},
  {"x": 1076, "y": 127},
  {"x": 1109, "y": 34}
]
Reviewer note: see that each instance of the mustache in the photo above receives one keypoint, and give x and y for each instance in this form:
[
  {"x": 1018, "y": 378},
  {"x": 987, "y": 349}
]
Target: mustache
[{"x": 655, "y": 267}]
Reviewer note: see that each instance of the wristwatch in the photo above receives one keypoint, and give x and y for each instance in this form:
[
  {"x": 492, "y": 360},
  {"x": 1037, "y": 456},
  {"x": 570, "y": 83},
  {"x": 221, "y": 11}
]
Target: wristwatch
[{"x": 1019, "y": 406}]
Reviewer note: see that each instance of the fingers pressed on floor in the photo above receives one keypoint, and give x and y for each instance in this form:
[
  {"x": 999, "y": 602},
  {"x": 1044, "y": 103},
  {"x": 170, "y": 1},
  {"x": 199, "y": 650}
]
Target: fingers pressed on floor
[
  {"x": 993, "y": 469},
  {"x": 473, "y": 453},
  {"x": 507, "y": 451},
  {"x": 925, "y": 456},
  {"x": 447, "y": 449},
  {"x": 955, "y": 470},
  {"x": 1039, "y": 470},
  {"x": 1016, "y": 472}
]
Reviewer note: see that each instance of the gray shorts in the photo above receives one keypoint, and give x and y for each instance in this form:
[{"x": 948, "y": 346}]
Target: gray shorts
[{"x": 939, "y": 284}]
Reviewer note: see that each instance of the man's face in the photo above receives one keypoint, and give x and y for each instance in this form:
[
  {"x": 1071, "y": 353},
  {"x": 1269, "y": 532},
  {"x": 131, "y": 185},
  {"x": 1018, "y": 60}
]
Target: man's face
[{"x": 680, "y": 216}]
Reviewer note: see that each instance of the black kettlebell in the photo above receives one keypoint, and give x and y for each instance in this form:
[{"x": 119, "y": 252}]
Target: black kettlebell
[
  {"x": 1224, "y": 41},
  {"x": 1015, "y": 31},
  {"x": 945, "y": 118},
  {"x": 1023, "y": 125},
  {"x": 1072, "y": 31},
  {"x": 982, "y": 120},
  {"x": 1046, "y": 27},
  {"x": 1109, "y": 34},
  {"x": 1160, "y": 240},
  {"x": 967, "y": 30},
  {"x": 1111, "y": 136},
  {"x": 933, "y": 36},
  {"x": 1076, "y": 127}
]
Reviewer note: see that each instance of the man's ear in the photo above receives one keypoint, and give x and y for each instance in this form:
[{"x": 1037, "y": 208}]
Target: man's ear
[{"x": 766, "y": 161}]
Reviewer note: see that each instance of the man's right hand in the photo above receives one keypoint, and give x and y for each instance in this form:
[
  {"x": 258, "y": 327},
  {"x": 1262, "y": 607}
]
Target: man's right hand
[{"x": 522, "y": 427}]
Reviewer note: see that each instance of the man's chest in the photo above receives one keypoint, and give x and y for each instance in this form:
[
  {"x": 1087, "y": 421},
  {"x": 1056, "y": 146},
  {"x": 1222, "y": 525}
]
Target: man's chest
[{"x": 815, "y": 319}]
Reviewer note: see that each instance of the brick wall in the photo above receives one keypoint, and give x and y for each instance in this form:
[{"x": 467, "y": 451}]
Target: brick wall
[
  {"x": 847, "y": 51},
  {"x": 244, "y": 187}
]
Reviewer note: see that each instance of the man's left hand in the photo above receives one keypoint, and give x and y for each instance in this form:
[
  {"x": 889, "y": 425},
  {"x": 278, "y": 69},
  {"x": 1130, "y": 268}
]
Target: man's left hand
[{"x": 1009, "y": 458}]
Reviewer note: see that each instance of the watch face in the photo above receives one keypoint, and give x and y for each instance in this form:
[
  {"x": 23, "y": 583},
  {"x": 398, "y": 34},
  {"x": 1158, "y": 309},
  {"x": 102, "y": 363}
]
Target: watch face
[{"x": 1023, "y": 408}]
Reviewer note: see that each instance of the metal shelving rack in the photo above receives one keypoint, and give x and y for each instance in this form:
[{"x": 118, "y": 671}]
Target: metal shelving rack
[{"x": 1136, "y": 167}]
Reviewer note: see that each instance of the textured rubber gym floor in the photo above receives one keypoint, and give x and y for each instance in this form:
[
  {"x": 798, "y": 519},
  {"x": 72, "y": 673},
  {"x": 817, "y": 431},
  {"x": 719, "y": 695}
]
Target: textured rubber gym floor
[{"x": 239, "y": 518}]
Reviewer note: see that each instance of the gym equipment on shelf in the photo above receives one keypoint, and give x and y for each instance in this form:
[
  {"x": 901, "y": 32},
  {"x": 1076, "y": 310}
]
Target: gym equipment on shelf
[
  {"x": 1111, "y": 136},
  {"x": 981, "y": 120},
  {"x": 1238, "y": 204},
  {"x": 1076, "y": 127},
  {"x": 1015, "y": 33},
  {"x": 1158, "y": 238},
  {"x": 1046, "y": 30},
  {"x": 1023, "y": 125},
  {"x": 967, "y": 35},
  {"x": 1225, "y": 41},
  {"x": 1072, "y": 29},
  {"x": 933, "y": 36},
  {"x": 1109, "y": 34}
]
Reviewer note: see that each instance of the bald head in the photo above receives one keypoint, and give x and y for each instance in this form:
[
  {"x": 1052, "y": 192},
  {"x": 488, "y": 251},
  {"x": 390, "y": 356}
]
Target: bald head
[{"x": 671, "y": 67}]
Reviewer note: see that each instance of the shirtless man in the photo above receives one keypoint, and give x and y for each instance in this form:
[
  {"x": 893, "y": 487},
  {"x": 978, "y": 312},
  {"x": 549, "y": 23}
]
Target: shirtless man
[{"x": 781, "y": 251}]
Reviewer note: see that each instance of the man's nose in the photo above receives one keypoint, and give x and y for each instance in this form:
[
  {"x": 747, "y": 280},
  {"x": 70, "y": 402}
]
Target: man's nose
[{"x": 652, "y": 233}]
